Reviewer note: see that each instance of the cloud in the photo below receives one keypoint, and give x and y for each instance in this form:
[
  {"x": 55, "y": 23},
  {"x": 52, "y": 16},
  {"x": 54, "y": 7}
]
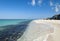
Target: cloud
[
  {"x": 57, "y": 7},
  {"x": 54, "y": 6},
  {"x": 39, "y": 2},
  {"x": 51, "y": 3},
  {"x": 33, "y": 3}
]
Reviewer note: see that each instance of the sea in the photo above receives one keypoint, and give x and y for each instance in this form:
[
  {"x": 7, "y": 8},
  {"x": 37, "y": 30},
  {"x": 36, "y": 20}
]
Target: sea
[
  {"x": 12, "y": 29},
  {"x": 4, "y": 22}
]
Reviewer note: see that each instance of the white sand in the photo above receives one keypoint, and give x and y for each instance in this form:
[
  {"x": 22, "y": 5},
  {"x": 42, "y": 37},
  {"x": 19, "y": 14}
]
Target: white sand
[{"x": 42, "y": 30}]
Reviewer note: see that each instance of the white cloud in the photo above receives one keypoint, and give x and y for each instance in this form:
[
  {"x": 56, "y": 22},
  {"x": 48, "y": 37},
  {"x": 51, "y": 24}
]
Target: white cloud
[
  {"x": 57, "y": 7},
  {"x": 51, "y": 3},
  {"x": 39, "y": 2},
  {"x": 33, "y": 3},
  {"x": 54, "y": 6}
]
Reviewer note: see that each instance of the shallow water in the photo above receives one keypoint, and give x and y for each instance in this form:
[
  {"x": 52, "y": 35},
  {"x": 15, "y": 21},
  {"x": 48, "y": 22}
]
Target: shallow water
[
  {"x": 4, "y": 22},
  {"x": 11, "y": 30}
]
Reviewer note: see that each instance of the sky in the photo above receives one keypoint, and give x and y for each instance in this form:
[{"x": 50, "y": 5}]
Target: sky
[{"x": 28, "y": 9}]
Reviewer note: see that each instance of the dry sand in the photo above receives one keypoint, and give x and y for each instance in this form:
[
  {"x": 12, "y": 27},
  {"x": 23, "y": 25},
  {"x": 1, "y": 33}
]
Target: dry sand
[{"x": 42, "y": 30}]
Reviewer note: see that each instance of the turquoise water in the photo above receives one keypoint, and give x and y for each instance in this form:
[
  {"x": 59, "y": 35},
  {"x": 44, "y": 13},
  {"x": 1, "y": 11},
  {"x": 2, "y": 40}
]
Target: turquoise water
[
  {"x": 4, "y": 22},
  {"x": 12, "y": 29}
]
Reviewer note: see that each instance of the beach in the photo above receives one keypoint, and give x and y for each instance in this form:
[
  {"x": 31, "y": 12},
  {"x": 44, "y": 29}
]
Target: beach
[
  {"x": 30, "y": 30},
  {"x": 42, "y": 30}
]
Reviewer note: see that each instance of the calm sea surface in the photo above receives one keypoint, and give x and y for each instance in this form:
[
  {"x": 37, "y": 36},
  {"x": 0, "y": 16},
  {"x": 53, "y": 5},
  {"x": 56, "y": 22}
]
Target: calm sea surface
[
  {"x": 4, "y": 22},
  {"x": 12, "y": 29}
]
